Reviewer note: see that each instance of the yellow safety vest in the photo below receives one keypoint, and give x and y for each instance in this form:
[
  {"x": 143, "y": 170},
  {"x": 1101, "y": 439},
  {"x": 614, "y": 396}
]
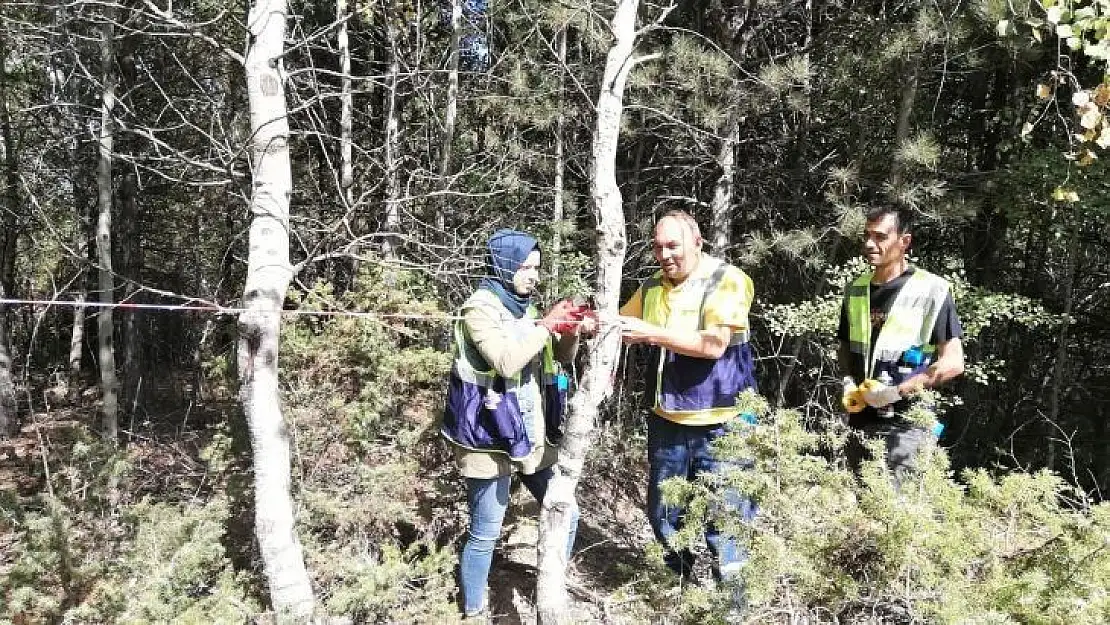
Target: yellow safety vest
[
  {"x": 909, "y": 322},
  {"x": 696, "y": 390}
]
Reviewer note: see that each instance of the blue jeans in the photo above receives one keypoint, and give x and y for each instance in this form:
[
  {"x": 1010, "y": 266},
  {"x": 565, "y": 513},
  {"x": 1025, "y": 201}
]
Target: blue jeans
[
  {"x": 904, "y": 440},
  {"x": 676, "y": 450},
  {"x": 488, "y": 500}
]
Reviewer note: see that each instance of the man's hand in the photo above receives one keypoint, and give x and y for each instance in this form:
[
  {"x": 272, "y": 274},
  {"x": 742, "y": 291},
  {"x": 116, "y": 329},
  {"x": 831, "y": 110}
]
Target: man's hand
[
  {"x": 635, "y": 330},
  {"x": 852, "y": 396},
  {"x": 879, "y": 395}
]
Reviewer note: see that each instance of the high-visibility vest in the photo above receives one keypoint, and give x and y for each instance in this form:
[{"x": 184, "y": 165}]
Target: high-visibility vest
[
  {"x": 467, "y": 421},
  {"x": 701, "y": 390},
  {"x": 904, "y": 346}
]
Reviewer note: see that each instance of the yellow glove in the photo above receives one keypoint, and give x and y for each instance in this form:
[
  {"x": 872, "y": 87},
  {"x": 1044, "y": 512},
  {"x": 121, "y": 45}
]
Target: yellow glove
[
  {"x": 878, "y": 394},
  {"x": 852, "y": 399}
]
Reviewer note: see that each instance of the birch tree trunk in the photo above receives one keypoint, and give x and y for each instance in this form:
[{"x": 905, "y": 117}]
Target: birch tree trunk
[
  {"x": 560, "y": 164},
  {"x": 721, "y": 206},
  {"x": 9, "y": 421},
  {"x": 67, "y": 99},
  {"x": 392, "y": 222},
  {"x": 450, "y": 113},
  {"x": 105, "y": 319},
  {"x": 268, "y": 276},
  {"x": 346, "y": 110},
  {"x": 559, "y": 504}
]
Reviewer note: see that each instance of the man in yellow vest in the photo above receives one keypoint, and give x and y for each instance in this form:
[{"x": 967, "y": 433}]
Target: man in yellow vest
[
  {"x": 693, "y": 316},
  {"x": 899, "y": 332}
]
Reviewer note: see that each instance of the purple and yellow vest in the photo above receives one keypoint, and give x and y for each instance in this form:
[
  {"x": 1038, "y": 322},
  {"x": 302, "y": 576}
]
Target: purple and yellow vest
[
  {"x": 688, "y": 386},
  {"x": 469, "y": 423}
]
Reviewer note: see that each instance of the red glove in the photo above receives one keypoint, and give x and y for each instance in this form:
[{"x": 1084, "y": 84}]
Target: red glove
[
  {"x": 563, "y": 317},
  {"x": 588, "y": 323}
]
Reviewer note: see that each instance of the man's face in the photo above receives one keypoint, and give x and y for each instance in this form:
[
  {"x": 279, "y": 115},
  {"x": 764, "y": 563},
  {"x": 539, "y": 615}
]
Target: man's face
[
  {"x": 528, "y": 275},
  {"x": 676, "y": 249},
  {"x": 882, "y": 243}
]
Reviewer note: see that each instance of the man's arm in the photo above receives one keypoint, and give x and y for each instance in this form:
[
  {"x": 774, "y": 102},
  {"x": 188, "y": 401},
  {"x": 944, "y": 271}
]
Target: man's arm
[
  {"x": 949, "y": 364},
  {"x": 710, "y": 343}
]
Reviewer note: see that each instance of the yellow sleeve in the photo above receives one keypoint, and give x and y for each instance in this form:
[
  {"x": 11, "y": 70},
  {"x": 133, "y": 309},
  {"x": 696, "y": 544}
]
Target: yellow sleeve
[
  {"x": 730, "y": 302},
  {"x": 634, "y": 307}
]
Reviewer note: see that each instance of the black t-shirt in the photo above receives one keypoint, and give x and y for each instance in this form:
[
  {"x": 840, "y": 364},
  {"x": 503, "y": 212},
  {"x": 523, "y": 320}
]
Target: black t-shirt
[{"x": 947, "y": 327}]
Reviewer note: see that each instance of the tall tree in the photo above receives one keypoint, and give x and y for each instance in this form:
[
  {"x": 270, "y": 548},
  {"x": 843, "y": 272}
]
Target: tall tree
[
  {"x": 8, "y": 244},
  {"x": 559, "y": 504},
  {"x": 106, "y": 283},
  {"x": 268, "y": 276},
  {"x": 558, "y": 215},
  {"x": 450, "y": 113},
  {"x": 392, "y": 156},
  {"x": 346, "y": 104}
]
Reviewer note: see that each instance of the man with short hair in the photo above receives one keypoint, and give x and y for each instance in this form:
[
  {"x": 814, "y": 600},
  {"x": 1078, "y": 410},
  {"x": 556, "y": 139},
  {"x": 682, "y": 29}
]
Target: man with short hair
[
  {"x": 693, "y": 316},
  {"x": 898, "y": 333}
]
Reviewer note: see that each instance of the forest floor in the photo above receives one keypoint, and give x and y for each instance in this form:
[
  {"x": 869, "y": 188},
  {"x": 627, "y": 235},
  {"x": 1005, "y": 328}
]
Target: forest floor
[
  {"x": 608, "y": 563},
  {"x": 609, "y": 570}
]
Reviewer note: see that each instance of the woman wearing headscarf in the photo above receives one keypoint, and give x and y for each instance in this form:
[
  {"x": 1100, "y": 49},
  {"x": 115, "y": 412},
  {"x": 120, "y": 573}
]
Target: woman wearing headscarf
[{"x": 506, "y": 397}]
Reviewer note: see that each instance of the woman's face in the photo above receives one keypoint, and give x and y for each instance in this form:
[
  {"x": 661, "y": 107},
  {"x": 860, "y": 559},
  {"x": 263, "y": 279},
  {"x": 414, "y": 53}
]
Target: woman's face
[{"x": 528, "y": 275}]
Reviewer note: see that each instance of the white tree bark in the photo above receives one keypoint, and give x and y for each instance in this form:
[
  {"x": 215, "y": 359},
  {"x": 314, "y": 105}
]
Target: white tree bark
[
  {"x": 560, "y": 164},
  {"x": 105, "y": 321},
  {"x": 392, "y": 222},
  {"x": 9, "y": 422},
  {"x": 9, "y": 419},
  {"x": 268, "y": 277},
  {"x": 450, "y": 113},
  {"x": 721, "y": 206},
  {"x": 346, "y": 103},
  {"x": 65, "y": 95},
  {"x": 559, "y": 504}
]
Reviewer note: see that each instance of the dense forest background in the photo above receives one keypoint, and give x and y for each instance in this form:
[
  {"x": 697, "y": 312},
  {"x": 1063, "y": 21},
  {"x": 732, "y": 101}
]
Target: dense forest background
[{"x": 130, "y": 174}]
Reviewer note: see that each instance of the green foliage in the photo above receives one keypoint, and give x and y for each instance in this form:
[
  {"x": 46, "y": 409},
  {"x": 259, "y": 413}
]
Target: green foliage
[
  {"x": 173, "y": 569},
  {"x": 780, "y": 78},
  {"x": 156, "y": 563},
  {"x": 363, "y": 483},
  {"x": 978, "y": 308},
  {"x": 921, "y": 150},
  {"x": 989, "y": 549},
  {"x": 413, "y": 585},
  {"x": 362, "y": 371}
]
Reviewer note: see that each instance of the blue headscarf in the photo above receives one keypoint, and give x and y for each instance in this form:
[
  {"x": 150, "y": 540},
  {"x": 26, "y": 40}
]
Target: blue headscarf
[{"x": 508, "y": 249}]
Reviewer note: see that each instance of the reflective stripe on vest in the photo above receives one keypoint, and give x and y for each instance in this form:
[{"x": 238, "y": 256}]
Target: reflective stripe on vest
[{"x": 908, "y": 324}]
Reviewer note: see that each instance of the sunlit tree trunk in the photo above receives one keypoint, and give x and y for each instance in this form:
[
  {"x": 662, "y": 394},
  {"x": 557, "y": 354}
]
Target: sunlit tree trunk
[
  {"x": 560, "y": 163},
  {"x": 392, "y": 222},
  {"x": 450, "y": 113},
  {"x": 105, "y": 319},
  {"x": 268, "y": 277},
  {"x": 346, "y": 104},
  {"x": 721, "y": 206},
  {"x": 559, "y": 504},
  {"x": 9, "y": 420}
]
